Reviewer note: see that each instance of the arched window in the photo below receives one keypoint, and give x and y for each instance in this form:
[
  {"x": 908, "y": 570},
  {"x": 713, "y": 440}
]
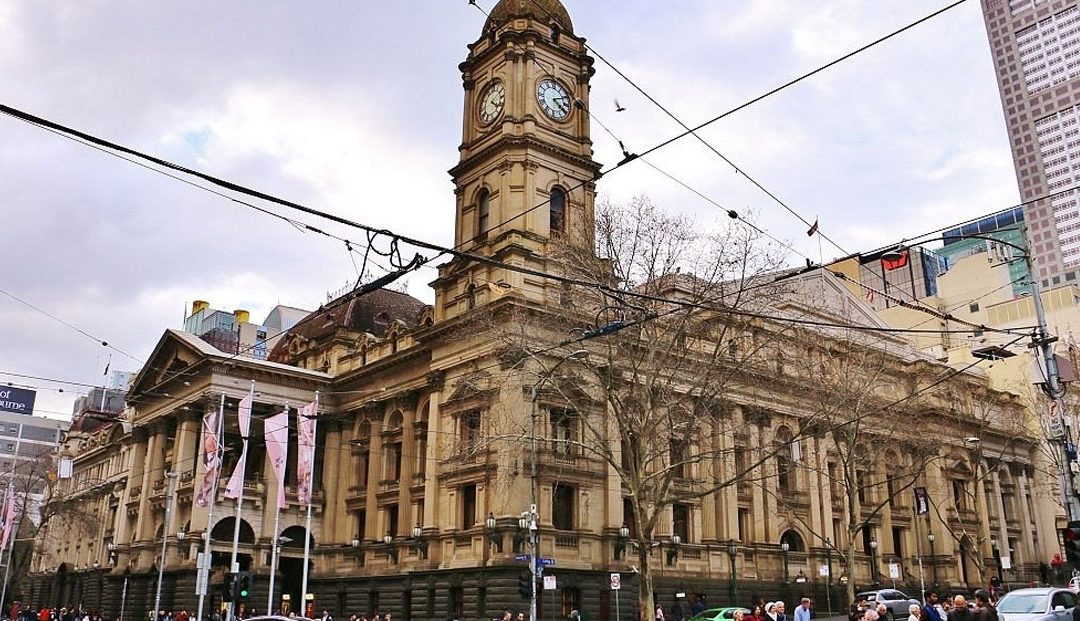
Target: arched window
[
  {"x": 794, "y": 541},
  {"x": 483, "y": 212},
  {"x": 557, "y": 207}
]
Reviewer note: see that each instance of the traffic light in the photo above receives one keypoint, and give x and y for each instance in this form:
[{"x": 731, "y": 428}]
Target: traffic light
[
  {"x": 229, "y": 588},
  {"x": 1070, "y": 536},
  {"x": 243, "y": 585},
  {"x": 524, "y": 585}
]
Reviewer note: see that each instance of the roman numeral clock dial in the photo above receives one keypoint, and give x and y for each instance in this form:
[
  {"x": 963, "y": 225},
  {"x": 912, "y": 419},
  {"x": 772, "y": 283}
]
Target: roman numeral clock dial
[
  {"x": 553, "y": 98},
  {"x": 491, "y": 102}
]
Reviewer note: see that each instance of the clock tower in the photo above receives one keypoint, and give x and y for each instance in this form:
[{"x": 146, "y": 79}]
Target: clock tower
[{"x": 525, "y": 180}]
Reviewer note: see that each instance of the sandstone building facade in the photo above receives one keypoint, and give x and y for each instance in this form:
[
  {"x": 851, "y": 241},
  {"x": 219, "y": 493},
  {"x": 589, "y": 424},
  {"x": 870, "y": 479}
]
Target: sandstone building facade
[{"x": 416, "y": 508}]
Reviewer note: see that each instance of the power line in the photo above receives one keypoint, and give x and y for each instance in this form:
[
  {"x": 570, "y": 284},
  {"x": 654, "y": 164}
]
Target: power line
[
  {"x": 395, "y": 237},
  {"x": 738, "y": 169},
  {"x": 46, "y": 313}
]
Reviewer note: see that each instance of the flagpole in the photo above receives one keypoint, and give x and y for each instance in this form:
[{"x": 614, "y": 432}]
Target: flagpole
[
  {"x": 311, "y": 493},
  {"x": 233, "y": 564},
  {"x": 273, "y": 556},
  {"x": 205, "y": 571}
]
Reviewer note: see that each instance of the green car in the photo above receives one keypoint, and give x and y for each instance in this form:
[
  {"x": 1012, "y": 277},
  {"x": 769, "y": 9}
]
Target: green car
[{"x": 719, "y": 614}]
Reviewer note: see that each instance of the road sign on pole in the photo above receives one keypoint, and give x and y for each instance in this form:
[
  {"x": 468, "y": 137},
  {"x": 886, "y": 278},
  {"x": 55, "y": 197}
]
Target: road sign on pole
[
  {"x": 616, "y": 582},
  {"x": 549, "y": 583}
]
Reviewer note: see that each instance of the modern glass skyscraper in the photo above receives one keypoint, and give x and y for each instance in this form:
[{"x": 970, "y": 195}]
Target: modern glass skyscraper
[{"x": 1035, "y": 46}]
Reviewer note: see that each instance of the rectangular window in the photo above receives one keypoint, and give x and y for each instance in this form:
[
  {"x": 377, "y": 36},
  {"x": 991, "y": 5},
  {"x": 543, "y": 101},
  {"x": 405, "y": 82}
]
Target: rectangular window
[
  {"x": 744, "y": 525},
  {"x": 628, "y": 516},
  {"x": 361, "y": 524},
  {"x": 393, "y": 461},
  {"x": 562, "y": 506},
  {"x": 678, "y": 458},
  {"x": 363, "y": 461},
  {"x": 468, "y": 506},
  {"x": 457, "y": 602},
  {"x": 834, "y": 481},
  {"x": 470, "y": 430},
  {"x": 562, "y": 432},
  {"x": 898, "y": 541},
  {"x": 680, "y": 521},
  {"x": 860, "y": 485},
  {"x": 392, "y": 520},
  {"x": 959, "y": 492}
]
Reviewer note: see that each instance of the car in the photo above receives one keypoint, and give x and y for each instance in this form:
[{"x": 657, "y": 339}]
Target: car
[
  {"x": 718, "y": 614},
  {"x": 896, "y": 603},
  {"x": 1038, "y": 604}
]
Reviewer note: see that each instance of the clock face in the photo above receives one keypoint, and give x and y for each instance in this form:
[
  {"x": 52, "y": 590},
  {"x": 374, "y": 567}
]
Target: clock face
[
  {"x": 491, "y": 102},
  {"x": 553, "y": 98}
]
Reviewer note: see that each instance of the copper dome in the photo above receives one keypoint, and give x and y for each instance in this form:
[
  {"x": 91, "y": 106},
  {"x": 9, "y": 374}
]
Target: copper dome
[{"x": 546, "y": 11}]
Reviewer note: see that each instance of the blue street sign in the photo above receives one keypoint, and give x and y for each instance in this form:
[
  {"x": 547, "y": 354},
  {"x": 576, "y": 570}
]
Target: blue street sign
[
  {"x": 521, "y": 557},
  {"x": 544, "y": 562}
]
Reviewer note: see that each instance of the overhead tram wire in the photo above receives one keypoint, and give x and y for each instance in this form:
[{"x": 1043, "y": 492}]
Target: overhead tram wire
[
  {"x": 601, "y": 287},
  {"x": 731, "y": 213},
  {"x": 631, "y": 157},
  {"x": 303, "y": 227},
  {"x": 737, "y": 168},
  {"x": 44, "y": 312}
]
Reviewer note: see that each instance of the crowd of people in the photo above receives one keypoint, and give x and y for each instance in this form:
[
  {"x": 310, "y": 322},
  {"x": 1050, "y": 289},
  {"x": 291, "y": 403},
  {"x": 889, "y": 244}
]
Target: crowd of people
[{"x": 955, "y": 608}]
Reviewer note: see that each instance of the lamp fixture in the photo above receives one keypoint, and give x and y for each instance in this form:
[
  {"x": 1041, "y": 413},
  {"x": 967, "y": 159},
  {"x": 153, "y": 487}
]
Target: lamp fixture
[
  {"x": 673, "y": 553},
  {"x": 391, "y": 552},
  {"x": 419, "y": 543},
  {"x": 620, "y": 543}
]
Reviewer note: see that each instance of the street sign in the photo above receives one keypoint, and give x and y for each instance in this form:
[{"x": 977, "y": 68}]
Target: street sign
[
  {"x": 545, "y": 562},
  {"x": 549, "y": 583},
  {"x": 522, "y": 557},
  {"x": 823, "y": 571},
  {"x": 894, "y": 571},
  {"x": 616, "y": 582},
  {"x": 1006, "y": 562}
]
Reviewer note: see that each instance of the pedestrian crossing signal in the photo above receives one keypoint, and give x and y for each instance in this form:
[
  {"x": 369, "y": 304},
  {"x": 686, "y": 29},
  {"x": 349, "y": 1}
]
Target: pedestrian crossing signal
[
  {"x": 229, "y": 588},
  {"x": 243, "y": 585},
  {"x": 1070, "y": 536}
]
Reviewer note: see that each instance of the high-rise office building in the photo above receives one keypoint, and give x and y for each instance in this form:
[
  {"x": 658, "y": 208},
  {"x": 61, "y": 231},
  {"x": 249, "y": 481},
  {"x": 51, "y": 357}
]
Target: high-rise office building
[{"x": 1035, "y": 46}]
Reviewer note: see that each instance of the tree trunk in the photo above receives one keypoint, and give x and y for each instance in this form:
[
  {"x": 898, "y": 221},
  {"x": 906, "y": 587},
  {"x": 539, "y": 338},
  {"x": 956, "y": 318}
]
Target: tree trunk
[{"x": 645, "y": 581}]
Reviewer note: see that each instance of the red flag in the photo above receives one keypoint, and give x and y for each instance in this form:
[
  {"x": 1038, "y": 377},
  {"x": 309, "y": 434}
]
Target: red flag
[
  {"x": 277, "y": 449},
  {"x": 211, "y": 457},
  {"x": 236, "y": 481},
  {"x": 895, "y": 261},
  {"x": 305, "y": 452}
]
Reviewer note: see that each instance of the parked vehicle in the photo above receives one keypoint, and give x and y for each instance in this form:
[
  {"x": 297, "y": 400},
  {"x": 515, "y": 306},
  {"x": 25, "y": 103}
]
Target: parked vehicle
[
  {"x": 1040, "y": 604},
  {"x": 895, "y": 602},
  {"x": 718, "y": 614}
]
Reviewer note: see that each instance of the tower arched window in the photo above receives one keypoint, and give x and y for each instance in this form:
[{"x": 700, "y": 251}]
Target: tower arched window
[
  {"x": 483, "y": 212},
  {"x": 557, "y": 209}
]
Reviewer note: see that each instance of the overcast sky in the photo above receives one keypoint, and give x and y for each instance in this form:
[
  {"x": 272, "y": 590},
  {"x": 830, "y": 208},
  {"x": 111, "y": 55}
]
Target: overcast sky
[{"x": 355, "y": 108}]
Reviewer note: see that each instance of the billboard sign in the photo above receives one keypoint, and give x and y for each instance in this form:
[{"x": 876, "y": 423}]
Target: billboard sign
[{"x": 17, "y": 400}]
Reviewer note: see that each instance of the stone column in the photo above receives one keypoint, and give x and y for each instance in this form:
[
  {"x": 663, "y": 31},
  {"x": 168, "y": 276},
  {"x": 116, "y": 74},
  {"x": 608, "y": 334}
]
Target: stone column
[
  {"x": 1002, "y": 530},
  {"x": 431, "y": 483},
  {"x": 332, "y": 490},
  {"x": 408, "y": 466},
  {"x": 155, "y": 471},
  {"x": 374, "y": 528},
  {"x": 1026, "y": 523}
]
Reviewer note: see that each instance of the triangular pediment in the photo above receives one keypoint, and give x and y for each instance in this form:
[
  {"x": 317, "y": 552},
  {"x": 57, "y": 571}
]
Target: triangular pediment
[{"x": 175, "y": 353}]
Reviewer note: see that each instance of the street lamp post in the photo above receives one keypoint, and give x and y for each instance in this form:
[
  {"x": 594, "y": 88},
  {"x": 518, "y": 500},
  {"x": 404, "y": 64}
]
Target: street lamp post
[
  {"x": 933, "y": 559},
  {"x": 873, "y": 561},
  {"x": 997, "y": 557},
  {"x": 784, "y": 547},
  {"x": 170, "y": 489},
  {"x": 733, "y": 551},
  {"x": 828, "y": 573},
  {"x": 275, "y": 555}
]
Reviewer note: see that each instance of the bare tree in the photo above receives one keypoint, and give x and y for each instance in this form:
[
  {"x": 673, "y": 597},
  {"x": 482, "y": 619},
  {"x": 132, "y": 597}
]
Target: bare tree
[{"x": 680, "y": 341}]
